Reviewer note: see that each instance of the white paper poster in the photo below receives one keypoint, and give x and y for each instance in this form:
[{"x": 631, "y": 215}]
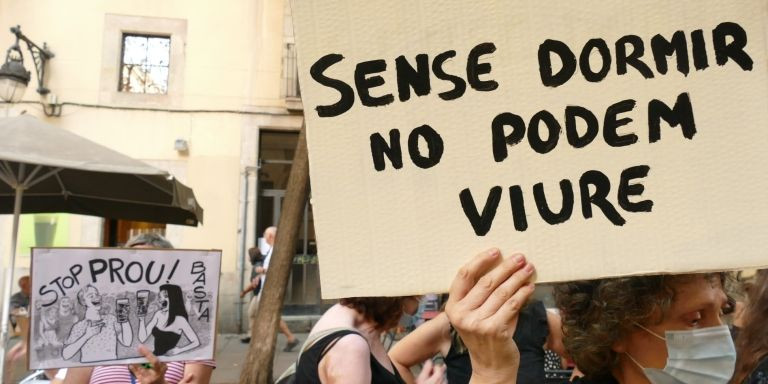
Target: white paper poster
[
  {"x": 600, "y": 138},
  {"x": 95, "y": 306}
]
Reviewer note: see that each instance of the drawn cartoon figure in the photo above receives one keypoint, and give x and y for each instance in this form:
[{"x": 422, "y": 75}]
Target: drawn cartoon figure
[
  {"x": 97, "y": 334},
  {"x": 169, "y": 323},
  {"x": 48, "y": 326},
  {"x": 66, "y": 307},
  {"x": 66, "y": 317},
  {"x": 189, "y": 304}
]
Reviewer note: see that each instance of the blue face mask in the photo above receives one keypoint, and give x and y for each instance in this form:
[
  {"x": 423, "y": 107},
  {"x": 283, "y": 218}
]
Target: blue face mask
[{"x": 699, "y": 356}]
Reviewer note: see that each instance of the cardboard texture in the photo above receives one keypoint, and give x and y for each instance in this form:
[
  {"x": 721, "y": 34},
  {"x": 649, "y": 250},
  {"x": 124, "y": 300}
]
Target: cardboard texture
[
  {"x": 95, "y": 306},
  {"x": 694, "y": 182}
]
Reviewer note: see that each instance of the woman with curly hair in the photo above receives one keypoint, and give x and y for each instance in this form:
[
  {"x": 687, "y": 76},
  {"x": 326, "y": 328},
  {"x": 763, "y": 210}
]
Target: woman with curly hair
[
  {"x": 648, "y": 329},
  {"x": 752, "y": 343}
]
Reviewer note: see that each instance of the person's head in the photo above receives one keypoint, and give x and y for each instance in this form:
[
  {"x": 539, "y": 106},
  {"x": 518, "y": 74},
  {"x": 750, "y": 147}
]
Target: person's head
[
  {"x": 254, "y": 254},
  {"x": 752, "y": 344},
  {"x": 269, "y": 235},
  {"x": 50, "y": 314},
  {"x": 172, "y": 301},
  {"x": 609, "y": 321},
  {"x": 66, "y": 307},
  {"x": 89, "y": 297},
  {"x": 148, "y": 240},
  {"x": 383, "y": 312},
  {"x": 24, "y": 285}
]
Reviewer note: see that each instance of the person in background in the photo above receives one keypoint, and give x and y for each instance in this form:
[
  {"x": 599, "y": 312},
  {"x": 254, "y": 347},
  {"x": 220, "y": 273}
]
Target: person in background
[
  {"x": 348, "y": 346},
  {"x": 253, "y": 287},
  {"x": 156, "y": 372},
  {"x": 648, "y": 329},
  {"x": 536, "y": 330},
  {"x": 752, "y": 343},
  {"x": 291, "y": 341},
  {"x": 20, "y": 299},
  {"x": 19, "y": 308}
]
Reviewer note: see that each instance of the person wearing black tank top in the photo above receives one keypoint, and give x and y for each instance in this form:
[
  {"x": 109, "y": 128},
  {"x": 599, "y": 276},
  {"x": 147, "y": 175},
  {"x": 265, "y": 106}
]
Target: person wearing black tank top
[
  {"x": 350, "y": 349},
  {"x": 537, "y": 329}
]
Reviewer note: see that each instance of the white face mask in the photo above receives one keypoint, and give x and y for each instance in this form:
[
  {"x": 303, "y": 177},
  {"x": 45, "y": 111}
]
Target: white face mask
[{"x": 699, "y": 356}]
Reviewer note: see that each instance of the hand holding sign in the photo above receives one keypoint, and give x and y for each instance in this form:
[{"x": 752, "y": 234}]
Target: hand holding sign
[
  {"x": 152, "y": 373},
  {"x": 485, "y": 299}
]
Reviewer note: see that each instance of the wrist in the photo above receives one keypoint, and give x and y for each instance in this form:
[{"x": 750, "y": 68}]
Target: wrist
[{"x": 489, "y": 373}]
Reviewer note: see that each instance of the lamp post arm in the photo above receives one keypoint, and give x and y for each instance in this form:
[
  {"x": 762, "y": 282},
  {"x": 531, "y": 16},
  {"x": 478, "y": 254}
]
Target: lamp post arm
[{"x": 39, "y": 55}]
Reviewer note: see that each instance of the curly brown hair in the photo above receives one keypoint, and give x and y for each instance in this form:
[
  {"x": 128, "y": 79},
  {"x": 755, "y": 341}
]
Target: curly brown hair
[
  {"x": 752, "y": 344},
  {"x": 597, "y": 313},
  {"x": 385, "y": 312}
]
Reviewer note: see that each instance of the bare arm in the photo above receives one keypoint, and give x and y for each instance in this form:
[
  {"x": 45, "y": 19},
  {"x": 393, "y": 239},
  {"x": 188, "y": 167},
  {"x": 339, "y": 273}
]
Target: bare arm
[
  {"x": 197, "y": 373},
  {"x": 146, "y": 329},
  {"x": 485, "y": 300},
  {"x": 80, "y": 375},
  {"x": 555, "y": 338},
  {"x": 74, "y": 347},
  {"x": 348, "y": 362},
  {"x": 190, "y": 334},
  {"x": 125, "y": 333},
  {"x": 426, "y": 341}
]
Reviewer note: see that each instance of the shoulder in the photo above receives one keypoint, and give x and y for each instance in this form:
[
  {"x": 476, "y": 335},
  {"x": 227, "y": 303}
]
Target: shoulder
[
  {"x": 81, "y": 324},
  {"x": 351, "y": 344}
]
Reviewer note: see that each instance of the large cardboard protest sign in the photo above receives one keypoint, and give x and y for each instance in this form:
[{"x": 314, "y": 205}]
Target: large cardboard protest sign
[
  {"x": 92, "y": 306},
  {"x": 600, "y": 138}
]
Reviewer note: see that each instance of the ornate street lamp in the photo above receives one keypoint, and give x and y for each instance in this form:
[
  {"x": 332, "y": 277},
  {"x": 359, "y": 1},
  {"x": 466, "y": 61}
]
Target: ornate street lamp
[{"x": 14, "y": 77}]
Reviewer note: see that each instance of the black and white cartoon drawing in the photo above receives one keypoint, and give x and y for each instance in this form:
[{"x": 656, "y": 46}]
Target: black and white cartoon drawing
[
  {"x": 49, "y": 326},
  {"x": 95, "y": 306},
  {"x": 169, "y": 323},
  {"x": 190, "y": 304},
  {"x": 96, "y": 335}
]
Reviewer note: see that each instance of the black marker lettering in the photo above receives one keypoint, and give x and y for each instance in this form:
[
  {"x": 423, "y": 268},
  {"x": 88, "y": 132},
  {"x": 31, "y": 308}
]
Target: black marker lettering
[
  {"x": 475, "y": 69},
  {"x": 481, "y": 222},
  {"x": 500, "y": 140},
  {"x": 626, "y": 189},
  {"x": 409, "y": 77},
  {"x": 459, "y": 86},
  {"x": 681, "y": 114},
  {"x": 599, "y": 197},
  {"x": 347, "y": 94}
]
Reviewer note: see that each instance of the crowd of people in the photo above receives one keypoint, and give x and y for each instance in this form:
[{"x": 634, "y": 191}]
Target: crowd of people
[
  {"x": 630, "y": 330},
  {"x": 654, "y": 329}
]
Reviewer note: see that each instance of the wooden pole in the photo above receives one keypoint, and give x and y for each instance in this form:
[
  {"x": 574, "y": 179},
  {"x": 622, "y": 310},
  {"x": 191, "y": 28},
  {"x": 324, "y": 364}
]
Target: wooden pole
[{"x": 258, "y": 363}]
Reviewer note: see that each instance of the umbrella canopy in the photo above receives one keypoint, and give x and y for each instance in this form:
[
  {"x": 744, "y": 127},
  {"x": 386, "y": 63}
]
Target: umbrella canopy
[
  {"x": 48, "y": 169},
  {"x": 63, "y": 172}
]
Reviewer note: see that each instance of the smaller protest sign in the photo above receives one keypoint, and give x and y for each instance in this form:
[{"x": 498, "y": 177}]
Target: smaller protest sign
[{"x": 95, "y": 306}]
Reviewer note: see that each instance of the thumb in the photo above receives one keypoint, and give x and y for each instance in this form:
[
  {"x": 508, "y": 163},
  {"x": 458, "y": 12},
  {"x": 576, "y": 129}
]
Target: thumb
[
  {"x": 426, "y": 371},
  {"x": 188, "y": 379}
]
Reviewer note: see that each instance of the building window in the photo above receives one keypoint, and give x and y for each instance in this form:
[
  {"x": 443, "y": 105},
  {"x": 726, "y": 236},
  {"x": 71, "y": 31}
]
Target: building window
[{"x": 144, "y": 67}]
